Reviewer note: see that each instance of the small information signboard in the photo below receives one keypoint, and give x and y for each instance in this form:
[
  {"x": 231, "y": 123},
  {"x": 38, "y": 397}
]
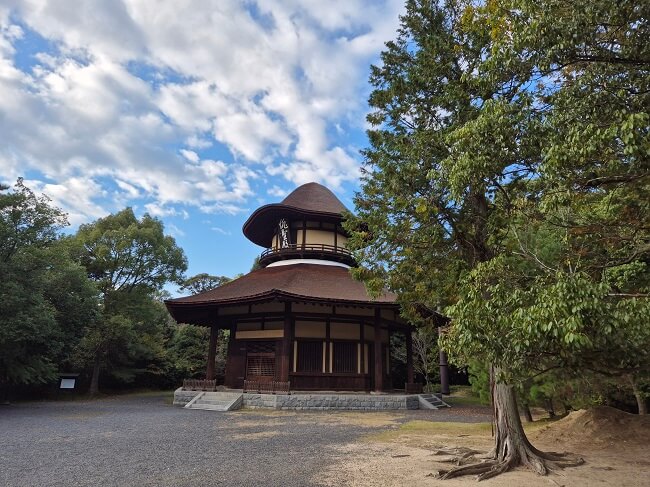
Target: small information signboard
[{"x": 67, "y": 381}]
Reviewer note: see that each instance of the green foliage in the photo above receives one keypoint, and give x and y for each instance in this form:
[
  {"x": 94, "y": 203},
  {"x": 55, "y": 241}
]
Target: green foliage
[
  {"x": 507, "y": 181},
  {"x": 203, "y": 282},
  {"x": 188, "y": 348},
  {"x": 562, "y": 320},
  {"x": 130, "y": 260},
  {"x": 28, "y": 221},
  {"x": 121, "y": 253},
  {"x": 45, "y": 298},
  {"x": 54, "y": 318},
  {"x": 411, "y": 233},
  {"x": 479, "y": 379}
]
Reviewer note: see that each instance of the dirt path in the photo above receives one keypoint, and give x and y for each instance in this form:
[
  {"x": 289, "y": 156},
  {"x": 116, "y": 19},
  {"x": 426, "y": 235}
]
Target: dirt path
[{"x": 615, "y": 451}]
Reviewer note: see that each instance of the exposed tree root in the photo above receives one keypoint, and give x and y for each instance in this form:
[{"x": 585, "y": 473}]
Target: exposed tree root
[
  {"x": 459, "y": 455},
  {"x": 456, "y": 451},
  {"x": 539, "y": 462},
  {"x": 512, "y": 448}
]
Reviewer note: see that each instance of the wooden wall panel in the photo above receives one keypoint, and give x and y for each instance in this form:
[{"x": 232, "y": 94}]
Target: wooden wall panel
[{"x": 236, "y": 363}]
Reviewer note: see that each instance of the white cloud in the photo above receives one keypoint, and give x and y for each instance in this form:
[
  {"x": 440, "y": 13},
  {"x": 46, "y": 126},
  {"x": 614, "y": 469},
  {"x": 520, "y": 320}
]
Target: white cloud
[
  {"x": 277, "y": 191},
  {"x": 190, "y": 155},
  {"x": 74, "y": 196},
  {"x": 130, "y": 191},
  {"x": 138, "y": 93},
  {"x": 161, "y": 211},
  {"x": 173, "y": 230},
  {"x": 220, "y": 230}
]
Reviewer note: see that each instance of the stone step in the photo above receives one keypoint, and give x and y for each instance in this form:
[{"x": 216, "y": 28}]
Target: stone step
[
  {"x": 219, "y": 398},
  {"x": 209, "y": 407},
  {"x": 431, "y": 401},
  {"x": 216, "y": 401}
]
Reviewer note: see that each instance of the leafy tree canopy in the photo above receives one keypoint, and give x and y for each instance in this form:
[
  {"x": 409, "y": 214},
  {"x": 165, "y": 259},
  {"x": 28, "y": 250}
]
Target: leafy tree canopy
[
  {"x": 507, "y": 184},
  {"x": 45, "y": 298},
  {"x": 121, "y": 253},
  {"x": 131, "y": 260},
  {"x": 203, "y": 282}
]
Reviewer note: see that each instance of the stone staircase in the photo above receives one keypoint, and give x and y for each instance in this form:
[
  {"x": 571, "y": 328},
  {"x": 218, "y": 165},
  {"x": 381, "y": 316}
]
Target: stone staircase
[
  {"x": 432, "y": 401},
  {"x": 216, "y": 401}
]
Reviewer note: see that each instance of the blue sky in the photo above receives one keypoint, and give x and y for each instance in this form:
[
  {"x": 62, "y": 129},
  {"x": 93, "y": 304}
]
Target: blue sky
[{"x": 196, "y": 112}]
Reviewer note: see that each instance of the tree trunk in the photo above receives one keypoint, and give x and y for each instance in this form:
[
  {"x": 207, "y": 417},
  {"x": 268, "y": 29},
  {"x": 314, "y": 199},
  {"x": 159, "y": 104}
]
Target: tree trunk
[
  {"x": 94, "y": 381},
  {"x": 640, "y": 400},
  {"x": 444, "y": 369},
  {"x": 511, "y": 446},
  {"x": 527, "y": 414},
  {"x": 549, "y": 408}
]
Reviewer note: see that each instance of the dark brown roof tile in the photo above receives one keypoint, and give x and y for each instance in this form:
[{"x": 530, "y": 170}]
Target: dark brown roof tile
[{"x": 309, "y": 281}]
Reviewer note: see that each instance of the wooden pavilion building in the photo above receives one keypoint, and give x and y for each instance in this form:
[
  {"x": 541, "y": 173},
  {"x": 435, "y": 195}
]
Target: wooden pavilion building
[{"x": 301, "y": 318}]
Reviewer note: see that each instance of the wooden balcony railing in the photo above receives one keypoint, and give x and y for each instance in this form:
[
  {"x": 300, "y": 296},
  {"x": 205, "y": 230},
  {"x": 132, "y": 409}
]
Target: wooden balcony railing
[{"x": 331, "y": 252}]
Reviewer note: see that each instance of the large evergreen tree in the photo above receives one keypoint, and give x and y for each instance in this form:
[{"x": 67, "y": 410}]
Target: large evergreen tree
[
  {"x": 130, "y": 260},
  {"x": 507, "y": 184}
]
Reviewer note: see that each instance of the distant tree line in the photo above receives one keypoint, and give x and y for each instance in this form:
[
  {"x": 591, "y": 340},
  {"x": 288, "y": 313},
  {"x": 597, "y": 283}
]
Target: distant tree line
[{"x": 92, "y": 302}]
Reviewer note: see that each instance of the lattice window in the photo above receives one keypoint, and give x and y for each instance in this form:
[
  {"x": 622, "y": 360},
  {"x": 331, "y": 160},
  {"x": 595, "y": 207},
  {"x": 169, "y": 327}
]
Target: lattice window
[
  {"x": 260, "y": 347},
  {"x": 310, "y": 356},
  {"x": 345, "y": 357},
  {"x": 260, "y": 367}
]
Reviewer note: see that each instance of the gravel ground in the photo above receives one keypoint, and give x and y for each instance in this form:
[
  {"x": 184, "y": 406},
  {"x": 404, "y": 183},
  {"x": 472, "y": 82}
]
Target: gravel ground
[{"x": 144, "y": 441}]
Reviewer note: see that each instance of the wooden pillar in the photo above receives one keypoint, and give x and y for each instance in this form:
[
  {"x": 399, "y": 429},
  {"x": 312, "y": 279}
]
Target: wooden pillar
[
  {"x": 328, "y": 348},
  {"x": 409, "y": 357},
  {"x": 362, "y": 327},
  {"x": 285, "y": 362},
  {"x": 230, "y": 379},
  {"x": 444, "y": 370},
  {"x": 378, "y": 352},
  {"x": 212, "y": 350}
]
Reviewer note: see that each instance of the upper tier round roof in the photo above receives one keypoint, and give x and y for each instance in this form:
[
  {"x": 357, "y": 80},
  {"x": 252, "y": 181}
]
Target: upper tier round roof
[{"x": 308, "y": 200}]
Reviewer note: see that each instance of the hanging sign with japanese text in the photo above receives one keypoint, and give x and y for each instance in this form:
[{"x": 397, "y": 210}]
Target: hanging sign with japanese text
[{"x": 283, "y": 234}]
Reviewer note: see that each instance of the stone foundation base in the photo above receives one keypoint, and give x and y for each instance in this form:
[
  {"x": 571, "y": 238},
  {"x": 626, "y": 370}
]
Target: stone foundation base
[
  {"x": 317, "y": 402},
  {"x": 323, "y": 402}
]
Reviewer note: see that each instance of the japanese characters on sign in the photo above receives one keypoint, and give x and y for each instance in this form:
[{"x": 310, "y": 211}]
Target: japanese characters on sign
[{"x": 283, "y": 234}]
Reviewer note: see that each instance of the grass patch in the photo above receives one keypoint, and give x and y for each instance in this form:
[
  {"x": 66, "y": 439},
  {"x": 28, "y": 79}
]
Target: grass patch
[
  {"x": 445, "y": 427},
  {"x": 464, "y": 396},
  {"x": 463, "y": 391}
]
